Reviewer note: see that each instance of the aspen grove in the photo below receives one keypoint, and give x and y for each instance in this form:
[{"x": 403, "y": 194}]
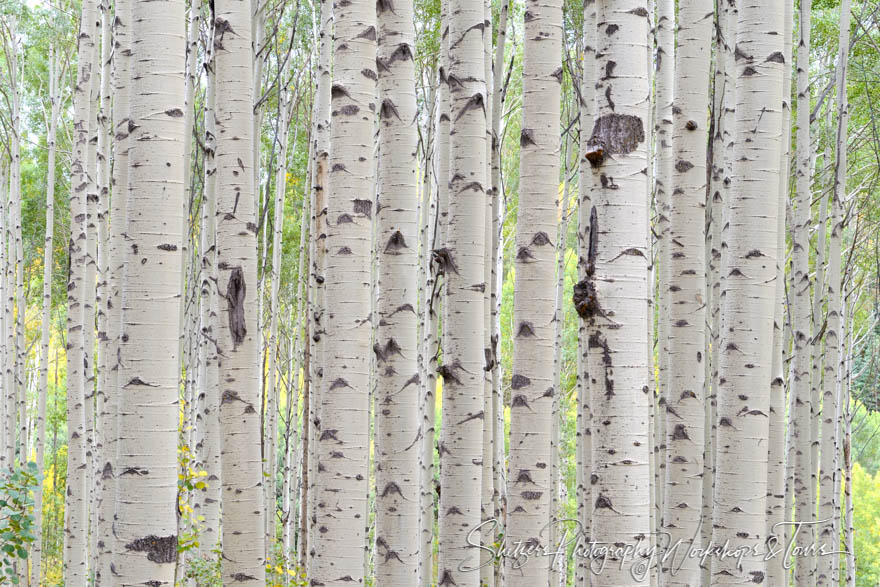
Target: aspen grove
[{"x": 417, "y": 293}]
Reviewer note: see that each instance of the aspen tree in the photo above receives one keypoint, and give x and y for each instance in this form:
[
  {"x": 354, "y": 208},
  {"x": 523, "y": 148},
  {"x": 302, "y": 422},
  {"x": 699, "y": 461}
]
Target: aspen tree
[
  {"x": 776, "y": 512},
  {"x": 396, "y": 348},
  {"x": 342, "y": 436},
  {"x": 586, "y": 187},
  {"x": 800, "y": 303},
  {"x": 613, "y": 296},
  {"x": 46, "y": 322},
  {"x": 146, "y": 520},
  {"x": 210, "y": 441},
  {"x": 243, "y": 526},
  {"x": 462, "y": 260},
  {"x": 317, "y": 255},
  {"x": 827, "y": 535},
  {"x": 663, "y": 165},
  {"x": 122, "y": 25},
  {"x": 749, "y": 295},
  {"x": 7, "y": 438},
  {"x": 102, "y": 516},
  {"x": 532, "y": 385},
  {"x": 75, "y": 522},
  {"x": 286, "y": 104},
  {"x": 686, "y": 272}
]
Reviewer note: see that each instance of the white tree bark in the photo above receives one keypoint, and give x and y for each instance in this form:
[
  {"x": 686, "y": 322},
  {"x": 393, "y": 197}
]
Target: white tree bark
[
  {"x": 396, "y": 349},
  {"x": 462, "y": 262},
  {"x": 613, "y": 296},
  {"x": 146, "y": 520},
  {"x": 243, "y": 525},
  {"x": 776, "y": 454},
  {"x": 800, "y": 301},
  {"x": 749, "y": 295},
  {"x": 532, "y": 385},
  {"x": 686, "y": 272},
  {"x": 76, "y": 522},
  {"x": 48, "y": 271},
  {"x": 827, "y": 534},
  {"x": 342, "y": 435}
]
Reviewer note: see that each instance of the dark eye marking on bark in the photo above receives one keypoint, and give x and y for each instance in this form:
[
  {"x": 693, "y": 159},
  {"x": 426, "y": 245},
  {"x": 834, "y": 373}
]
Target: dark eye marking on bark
[
  {"x": 388, "y": 109},
  {"x": 519, "y": 381},
  {"x": 531, "y": 495},
  {"x": 343, "y": 251},
  {"x": 174, "y": 112},
  {"x": 614, "y": 134},
  {"x": 640, "y": 11},
  {"x": 395, "y": 243},
  {"x": 446, "y": 579},
  {"x": 603, "y": 502},
  {"x": 339, "y": 382},
  {"x": 540, "y": 239},
  {"x": 369, "y": 74},
  {"x": 368, "y": 33},
  {"x": 611, "y": 29},
  {"x": 403, "y": 53},
  {"x": 738, "y": 54},
  {"x": 159, "y": 549},
  {"x": 138, "y": 381},
  {"x": 683, "y": 166},
  {"x": 776, "y": 57},
  {"x": 364, "y": 207},
  {"x": 557, "y": 74},
  {"x": 524, "y": 255},
  {"x": 448, "y": 372},
  {"x": 526, "y": 137},
  {"x": 443, "y": 259},
  {"x": 242, "y": 577},
  {"x": 167, "y": 247},
  {"x": 384, "y": 353},
  {"x": 475, "y": 102},
  {"x": 347, "y": 110},
  {"x": 524, "y": 476},
  {"x": 329, "y": 435},
  {"x": 236, "y": 291},
  {"x": 757, "y": 576},
  {"x": 520, "y": 401},
  {"x": 478, "y": 416},
  {"x": 525, "y": 330},
  {"x": 221, "y": 27},
  {"x": 691, "y": 125},
  {"x": 680, "y": 433},
  {"x": 392, "y": 487}
]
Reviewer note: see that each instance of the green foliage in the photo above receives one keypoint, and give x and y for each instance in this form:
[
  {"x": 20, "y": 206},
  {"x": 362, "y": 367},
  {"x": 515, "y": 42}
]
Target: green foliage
[
  {"x": 16, "y": 519},
  {"x": 866, "y": 520}
]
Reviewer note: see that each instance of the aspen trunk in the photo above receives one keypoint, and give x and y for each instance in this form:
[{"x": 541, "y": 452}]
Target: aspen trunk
[
  {"x": 462, "y": 261},
  {"x": 342, "y": 435},
  {"x": 243, "y": 525},
  {"x": 828, "y": 536},
  {"x": 776, "y": 513},
  {"x": 396, "y": 349},
  {"x": 532, "y": 385},
  {"x": 45, "y": 324},
  {"x": 613, "y": 296},
  {"x": 801, "y": 420},
  {"x": 749, "y": 295},
  {"x": 146, "y": 520},
  {"x": 685, "y": 411},
  {"x": 586, "y": 188},
  {"x": 76, "y": 522}
]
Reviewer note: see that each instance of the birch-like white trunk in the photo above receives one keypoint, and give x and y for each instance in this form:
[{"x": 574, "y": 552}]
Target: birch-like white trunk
[
  {"x": 146, "y": 518},
  {"x": 342, "y": 434},
  {"x": 243, "y": 525},
  {"x": 462, "y": 261},
  {"x": 827, "y": 535},
  {"x": 749, "y": 296},
  {"x": 76, "y": 522},
  {"x": 532, "y": 385},
  {"x": 613, "y": 296},
  {"x": 686, "y": 272},
  {"x": 396, "y": 349}
]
